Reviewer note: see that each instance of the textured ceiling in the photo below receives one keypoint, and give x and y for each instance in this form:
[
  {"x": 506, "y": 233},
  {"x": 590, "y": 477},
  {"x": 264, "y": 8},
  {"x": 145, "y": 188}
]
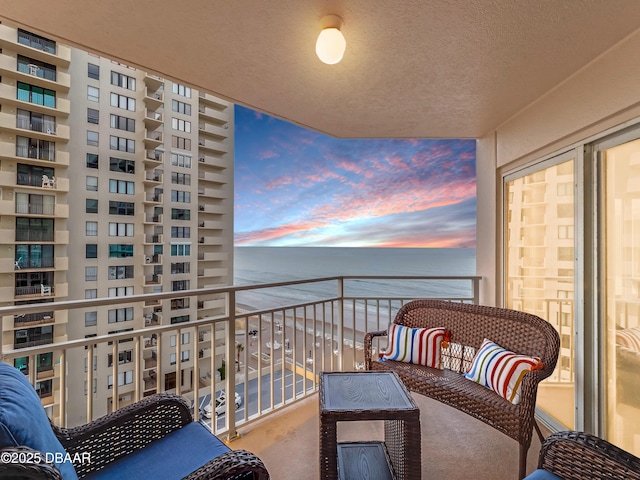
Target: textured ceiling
[{"x": 413, "y": 68}]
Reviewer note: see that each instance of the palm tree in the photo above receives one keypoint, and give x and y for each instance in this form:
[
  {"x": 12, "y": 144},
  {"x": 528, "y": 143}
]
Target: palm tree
[{"x": 239, "y": 348}]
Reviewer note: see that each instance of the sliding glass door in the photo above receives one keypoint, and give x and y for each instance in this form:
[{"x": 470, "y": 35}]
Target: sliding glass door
[
  {"x": 539, "y": 267},
  {"x": 619, "y": 223}
]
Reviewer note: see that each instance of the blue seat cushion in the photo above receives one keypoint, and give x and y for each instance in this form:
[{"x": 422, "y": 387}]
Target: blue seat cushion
[
  {"x": 542, "y": 475},
  {"x": 174, "y": 456},
  {"x": 23, "y": 421}
]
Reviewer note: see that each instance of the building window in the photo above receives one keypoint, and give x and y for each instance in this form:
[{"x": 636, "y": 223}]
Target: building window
[
  {"x": 36, "y": 41},
  {"x": 123, "y": 123},
  {"x": 93, "y": 94},
  {"x": 121, "y": 186},
  {"x": 90, "y": 319},
  {"x": 180, "y": 303},
  {"x": 91, "y": 229},
  {"x": 91, "y": 274},
  {"x": 120, "y": 315},
  {"x": 30, "y": 203},
  {"x": 180, "y": 249},
  {"x": 121, "y": 272},
  {"x": 121, "y": 101},
  {"x": 36, "y": 95},
  {"x": 126, "y": 356},
  {"x": 121, "y": 165},
  {"x": 34, "y": 229},
  {"x": 120, "y": 291},
  {"x": 181, "y": 178},
  {"x": 92, "y": 160},
  {"x": 36, "y": 68},
  {"x": 120, "y": 229},
  {"x": 180, "y": 214},
  {"x": 181, "y": 142},
  {"x": 180, "y": 160},
  {"x": 179, "y": 285},
  {"x": 31, "y": 175},
  {"x": 91, "y": 250},
  {"x": 35, "y": 148},
  {"x": 184, "y": 357},
  {"x": 124, "y": 81},
  {"x": 180, "y": 196},
  {"x": 34, "y": 256},
  {"x": 181, "y": 267},
  {"x": 92, "y": 184},
  {"x": 182, "y": 90},
  {"x": 181, "y": 107},
  {"x": 181, "y": 125},
  {"x": 36, "y": 122},
  {"x": 179, "y": 319},
  {"x": 91, "y": 293},
  {"x": 124, "y": 378},
  {"x": 93, "y": 71},
  {"x": 93, "y": 115},
  {"x": 180, "y": 232},
  {"x": 92, "y": 138},
  {"x": 91, "y": 205},
  {"x": 122, "y": 144},
  {"x": 121, "y": 208},
  {"x": 120, "y": 251}
]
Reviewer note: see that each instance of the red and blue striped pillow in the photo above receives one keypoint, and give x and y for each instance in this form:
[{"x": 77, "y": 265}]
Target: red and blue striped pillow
[
  {"x": 629, "y": 338},
  {"x": 501, "y": 370},
  {"x": 415, "y": 345}
]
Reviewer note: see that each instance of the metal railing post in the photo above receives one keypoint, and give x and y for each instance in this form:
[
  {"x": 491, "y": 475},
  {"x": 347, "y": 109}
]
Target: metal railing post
[
  {"x": 230, "y": 370},
  {"x": 340, "y": 322}
]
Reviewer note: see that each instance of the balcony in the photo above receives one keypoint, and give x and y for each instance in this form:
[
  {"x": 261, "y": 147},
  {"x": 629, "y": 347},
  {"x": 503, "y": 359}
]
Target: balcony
[
  {"x": 154, "y": 157},
  {"x": 322, "y": 334}
]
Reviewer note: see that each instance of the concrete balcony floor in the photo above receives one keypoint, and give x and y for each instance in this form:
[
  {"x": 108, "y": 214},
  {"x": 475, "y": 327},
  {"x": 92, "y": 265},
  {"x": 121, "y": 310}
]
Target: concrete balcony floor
[{"x": 454, "y": 445}]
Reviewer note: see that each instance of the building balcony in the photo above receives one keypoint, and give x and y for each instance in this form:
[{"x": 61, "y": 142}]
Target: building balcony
[
  {"x": 153, "y": 119},
  {"x": 153, "y": 99},
  {"x": 154, "y": 157},
  {"x": 312, "y": 338},
  {"x": 213, "y": 145},
  {"x": 208, "y": 159},
  {"x": 212, "y": 177},
  {"x": 212, "y": 115},
  {"x": 153, "y": 197},
  {"x": 152, "y": 139},
  {"x": 154, "y": 177}
]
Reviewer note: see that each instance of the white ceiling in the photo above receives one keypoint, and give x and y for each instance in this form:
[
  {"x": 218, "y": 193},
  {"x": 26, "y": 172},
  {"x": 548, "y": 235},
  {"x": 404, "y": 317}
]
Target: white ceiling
[{"x": 413, "y": 68}]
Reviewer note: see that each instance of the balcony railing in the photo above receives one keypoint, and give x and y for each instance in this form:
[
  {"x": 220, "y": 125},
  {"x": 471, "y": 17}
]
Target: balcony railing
[{"x": 271, "y": 355}]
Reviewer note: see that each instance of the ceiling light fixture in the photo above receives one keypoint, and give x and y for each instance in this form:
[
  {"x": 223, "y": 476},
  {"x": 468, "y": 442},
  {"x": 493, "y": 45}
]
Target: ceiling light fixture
[{"x": 331, "y": 44}]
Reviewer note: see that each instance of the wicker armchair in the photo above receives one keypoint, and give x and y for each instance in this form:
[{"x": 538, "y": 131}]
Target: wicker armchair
[
  {"x": 153, "y": 438},
  {"x": 516, "y": 331},
  {"x": 580, "y": 456}
]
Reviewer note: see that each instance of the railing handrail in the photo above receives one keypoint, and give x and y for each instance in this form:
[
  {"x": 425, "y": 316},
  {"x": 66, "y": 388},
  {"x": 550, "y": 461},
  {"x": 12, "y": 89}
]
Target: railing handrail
[{"x": 145, "y": 297}]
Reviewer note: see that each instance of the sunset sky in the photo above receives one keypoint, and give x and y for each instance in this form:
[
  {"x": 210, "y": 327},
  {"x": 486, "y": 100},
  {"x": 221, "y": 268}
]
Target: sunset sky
[{"x": 298, "y": 187}]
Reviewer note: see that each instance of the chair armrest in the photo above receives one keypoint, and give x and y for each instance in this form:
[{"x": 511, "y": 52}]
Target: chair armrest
[
  {"x": 124, "y": 431},
  {"x": 26, "y": 463},
  {"x": 578, "y": 455},
  {"x": 368, "y": 340},
  {"x": 235, "y": 464}
]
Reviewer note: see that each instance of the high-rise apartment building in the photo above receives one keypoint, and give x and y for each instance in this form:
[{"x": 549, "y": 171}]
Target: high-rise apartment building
[{"x": 113, "y": 182}]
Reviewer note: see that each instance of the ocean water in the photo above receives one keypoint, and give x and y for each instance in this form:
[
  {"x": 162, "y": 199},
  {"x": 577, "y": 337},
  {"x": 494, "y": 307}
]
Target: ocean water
[{"x": 277, "y": 264}]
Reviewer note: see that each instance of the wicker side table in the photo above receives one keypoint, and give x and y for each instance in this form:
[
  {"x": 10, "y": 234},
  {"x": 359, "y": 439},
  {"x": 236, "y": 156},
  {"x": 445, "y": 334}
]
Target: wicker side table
[{"x": 356, "y": 396}]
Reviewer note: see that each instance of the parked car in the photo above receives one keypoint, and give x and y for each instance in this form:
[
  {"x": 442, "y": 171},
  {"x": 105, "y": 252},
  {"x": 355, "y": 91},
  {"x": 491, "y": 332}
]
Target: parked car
[{"x": 221, "y": 405}]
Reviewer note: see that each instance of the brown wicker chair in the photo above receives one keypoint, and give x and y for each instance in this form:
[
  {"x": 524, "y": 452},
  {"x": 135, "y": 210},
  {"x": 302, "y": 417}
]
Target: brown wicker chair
[
  {"x": 580, "y": 456},
  {"x": 519, "y": 332},
  {"x": 130, "y": 430}
]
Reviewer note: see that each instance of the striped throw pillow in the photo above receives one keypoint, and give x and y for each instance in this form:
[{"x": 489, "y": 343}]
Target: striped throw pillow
[
  {"x": 415, "y": 345},
  {"x": 501, "y": 370},
  {"x": 629, "y": 338}
]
